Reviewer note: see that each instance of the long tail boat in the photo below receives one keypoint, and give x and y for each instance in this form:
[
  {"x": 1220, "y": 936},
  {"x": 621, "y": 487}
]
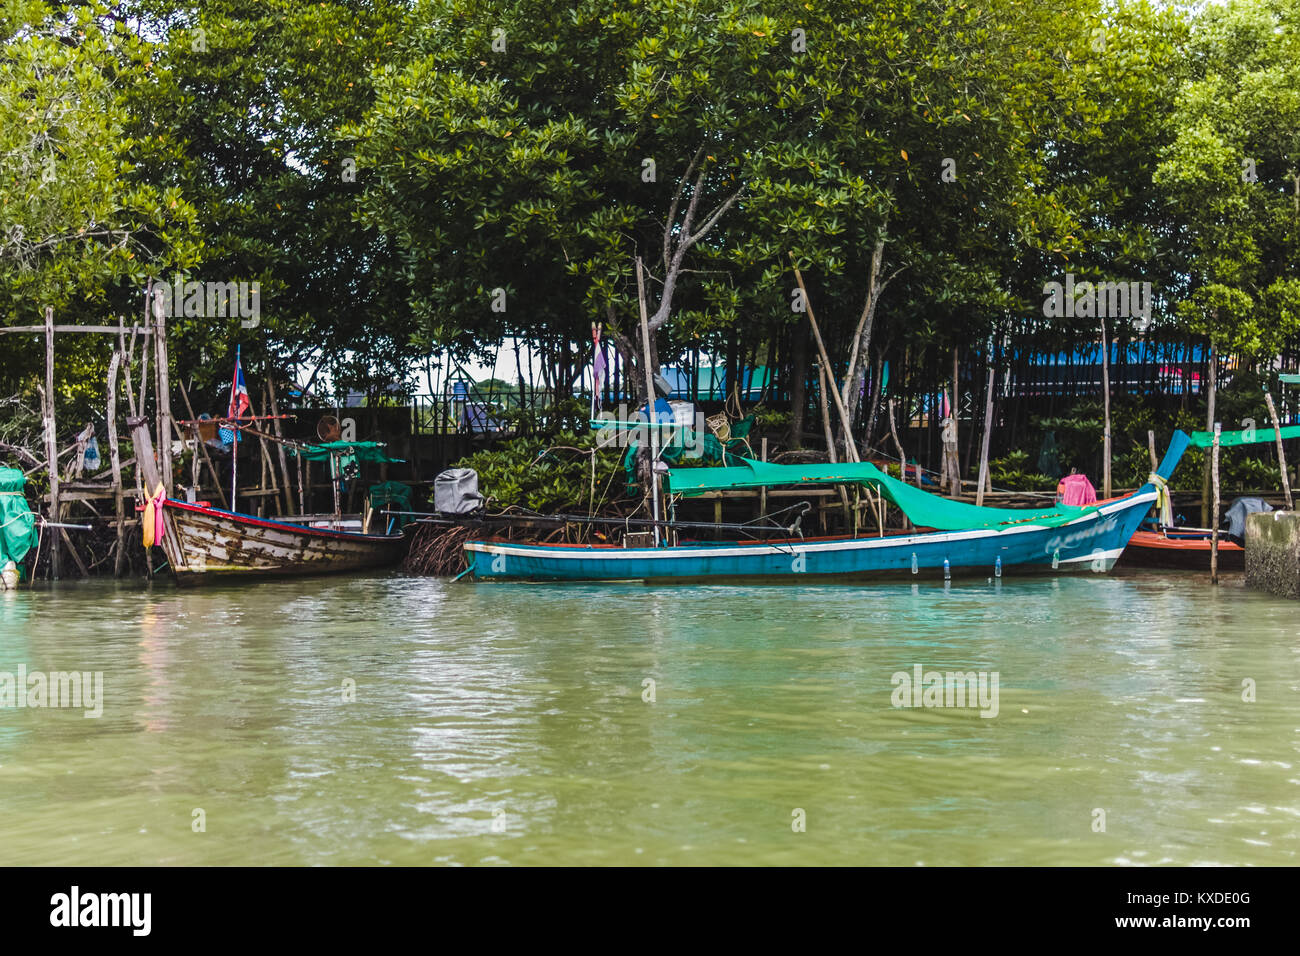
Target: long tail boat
[
  {"x": 1173, "y": 547},
  {"x": 959, "y": 538},
  {"x": 203, "y": 543},
  {"x": 1181, "y": 548}
]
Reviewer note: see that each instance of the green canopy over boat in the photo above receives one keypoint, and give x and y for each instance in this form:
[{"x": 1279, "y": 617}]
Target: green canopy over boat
[
  {"x": 1253, "y": 436},
  {"x": 922, "y": 508},
  {"x": 360, "y": 450},
  {"x": 17, "y": 523}
]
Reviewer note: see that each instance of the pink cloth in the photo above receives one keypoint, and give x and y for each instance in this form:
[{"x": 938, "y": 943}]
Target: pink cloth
[
  {"x": 160, "y": 526},
  {"x": 1076, "y": 490}
]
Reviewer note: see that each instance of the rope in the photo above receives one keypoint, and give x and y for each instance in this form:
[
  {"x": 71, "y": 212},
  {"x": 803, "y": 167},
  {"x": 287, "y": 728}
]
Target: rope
[{"x": 1164, "y": 501}]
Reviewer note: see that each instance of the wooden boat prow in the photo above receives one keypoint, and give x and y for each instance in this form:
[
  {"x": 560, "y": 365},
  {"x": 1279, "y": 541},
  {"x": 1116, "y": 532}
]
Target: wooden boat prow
[{"x": 203, "y": 543}]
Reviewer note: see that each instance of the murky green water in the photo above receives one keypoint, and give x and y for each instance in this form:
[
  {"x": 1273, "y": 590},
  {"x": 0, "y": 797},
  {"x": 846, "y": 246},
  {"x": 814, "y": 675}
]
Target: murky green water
[{"x": 506, "y": 724}]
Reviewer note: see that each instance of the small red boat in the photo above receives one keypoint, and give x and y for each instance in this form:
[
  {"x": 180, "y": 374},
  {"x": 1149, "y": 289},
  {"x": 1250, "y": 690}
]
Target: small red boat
[{"x": 1179, "y": 549}]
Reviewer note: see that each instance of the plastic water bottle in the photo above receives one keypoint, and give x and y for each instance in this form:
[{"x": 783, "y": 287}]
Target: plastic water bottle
[
  {"x": 997, "y": 567},
  {"x": 914, "y": 567},
  {"x": 947, "y": 571}
]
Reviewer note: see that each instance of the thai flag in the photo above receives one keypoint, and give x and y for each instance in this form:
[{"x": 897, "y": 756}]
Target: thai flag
[{"x": 239, "y": 402}]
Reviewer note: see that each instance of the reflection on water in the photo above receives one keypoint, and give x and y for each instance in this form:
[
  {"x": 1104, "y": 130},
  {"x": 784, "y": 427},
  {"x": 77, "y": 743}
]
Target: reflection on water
[{"x": 509, "y": 723}]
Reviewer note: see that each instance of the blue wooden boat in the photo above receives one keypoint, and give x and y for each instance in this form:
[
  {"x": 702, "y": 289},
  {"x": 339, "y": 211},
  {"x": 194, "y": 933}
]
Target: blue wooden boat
[{"x": 973, "y": 540}]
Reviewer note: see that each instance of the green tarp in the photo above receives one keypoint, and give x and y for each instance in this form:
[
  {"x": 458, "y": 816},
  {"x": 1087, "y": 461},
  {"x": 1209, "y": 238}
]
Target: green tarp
[
  {"x": 394, "y": 496},
  {"x": 17, "y": 523},
  {"x": 1289, "y": 378},
  {"x": 1256, "y": 436},
  {"x": 360, "y": 450},
  {"x": 922, "y": 508}
]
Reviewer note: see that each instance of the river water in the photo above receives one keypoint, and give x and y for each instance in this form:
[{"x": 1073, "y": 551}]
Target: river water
[{"x": 406, "y": 720}]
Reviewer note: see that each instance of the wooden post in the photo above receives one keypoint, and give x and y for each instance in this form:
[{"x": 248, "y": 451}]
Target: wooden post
[
  {"x": 762, "y": 492},
  {"x": 1105, "y": 399},
  {"x": 1281, "y": 453},
  {"x": 850, "y": 447},
  {"x": 284, "y": 462},
  {"x": 649, "y": 399},
  {"x": 51, "y": 442},
  {"x": 268, "y": 473},
  {"x": 984, "y": 443},
  {"x": 822, "y": 379},
  {"x": 146, "y": 469},
  {"x": 898, "y": 445},
  {"x": 826, "y": 414},
  {"x": 956, "y": 419},
  {"x": 115, "y": 459},
  {"x": 1214, "y": 528},
  {"x": 1209, "y": 424},
  {"x": 164, "y": 399},
  {"x": 1151, "y": 447},
  {"x": 334, "y": 483}
]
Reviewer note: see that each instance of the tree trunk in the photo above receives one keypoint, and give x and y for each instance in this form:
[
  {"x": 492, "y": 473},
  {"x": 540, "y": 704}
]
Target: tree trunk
[
  {"x": 860, "y": 347},
  {"x": 798, "y": 383}
]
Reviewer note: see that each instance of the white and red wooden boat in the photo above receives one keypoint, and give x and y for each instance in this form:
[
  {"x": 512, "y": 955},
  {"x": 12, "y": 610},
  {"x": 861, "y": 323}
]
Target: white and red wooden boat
[
  {"x": 1180, "y": 548},
  {"x": 203, "y": 543}
]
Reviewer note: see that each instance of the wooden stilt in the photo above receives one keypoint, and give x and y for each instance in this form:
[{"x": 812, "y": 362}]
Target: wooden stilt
[
  {"x": 1105, "y": 401},
  {"x": 115, "y": 459},
  {"x": 164, "y": 399},
  {"x": 824, "y": 383},
  {"x": 51, "y": 441},
  {"x": 1214, "y": 528},
  {"x": 279, "y": 433},
  {"x": 850, "y": 447},
  {"x": 984, "y": 479},
  {"x": 1281, "y": 452}
]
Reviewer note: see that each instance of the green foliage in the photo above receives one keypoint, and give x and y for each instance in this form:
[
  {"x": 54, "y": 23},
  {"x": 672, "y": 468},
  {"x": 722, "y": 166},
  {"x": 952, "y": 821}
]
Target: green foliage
[
  {"x": 542, "y": 476},
  {"x": 1013, "y": 473},
  {"x": 551, "y": 421}
]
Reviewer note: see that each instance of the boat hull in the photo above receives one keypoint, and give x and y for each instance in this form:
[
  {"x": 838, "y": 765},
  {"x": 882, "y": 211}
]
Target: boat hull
[
  {"x": 1091, "y": 543},
  {"x": 1150, "y": 549},
  {"x": 206, "y": 544}
]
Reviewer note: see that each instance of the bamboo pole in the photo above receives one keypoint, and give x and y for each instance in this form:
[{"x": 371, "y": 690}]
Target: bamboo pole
[
  {"x": 826, "y": 414},
  {"x": 822, "y": 378},
  {"x": 850, "y": 447},
  {"x": 649, "y": 397},
  {"x": 1105, "y": 399},
  {"x": 267, "y": 472},
  {"x": 1213, "y": 376},
  {"x": 279, "y": 433},
  {"x": 1214, "y": 528},
  {"x": 164, "y": 397},
  {"x": 951, "y": 454},
  {"x": 984, "y": 443},
  {"x": 1281, "y": 453},
  {"x": 51, "y": 443},
  {"x": 902, "y": 458},
  {"x": 115, "y": 458}
]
